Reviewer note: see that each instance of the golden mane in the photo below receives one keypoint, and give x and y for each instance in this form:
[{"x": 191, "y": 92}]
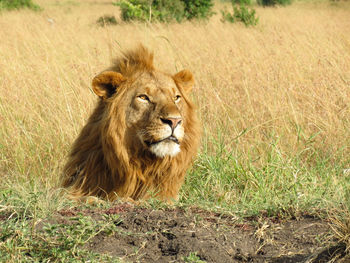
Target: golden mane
[
  {"x": 105, "y": 160},
  {"x": 132, "y": 61}
]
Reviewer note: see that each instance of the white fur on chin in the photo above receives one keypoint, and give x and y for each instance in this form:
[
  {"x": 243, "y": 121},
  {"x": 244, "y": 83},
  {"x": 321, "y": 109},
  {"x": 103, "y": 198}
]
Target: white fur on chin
[{"x": 163, "y": 149}]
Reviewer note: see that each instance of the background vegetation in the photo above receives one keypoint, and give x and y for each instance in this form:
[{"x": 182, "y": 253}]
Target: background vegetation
[
  {"x": 17, "y": 4},
  {"x": 165, "y": 10},
  {"x": 273, "y": 100},
  {"x": 241, "y": 13}
]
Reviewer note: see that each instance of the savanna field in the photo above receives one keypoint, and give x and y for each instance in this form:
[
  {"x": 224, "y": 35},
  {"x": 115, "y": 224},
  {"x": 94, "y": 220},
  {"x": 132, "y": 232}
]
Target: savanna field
[{"x": 273, "y": 100}]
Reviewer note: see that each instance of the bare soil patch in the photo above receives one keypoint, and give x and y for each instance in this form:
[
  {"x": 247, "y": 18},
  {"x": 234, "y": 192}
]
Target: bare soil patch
[{"x": 172, "y": 235}]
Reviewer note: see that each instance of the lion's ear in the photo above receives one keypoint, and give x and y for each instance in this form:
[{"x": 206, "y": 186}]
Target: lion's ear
[
  {"x": 106, "y": 83},
  {"x": 185, "y": 80}
]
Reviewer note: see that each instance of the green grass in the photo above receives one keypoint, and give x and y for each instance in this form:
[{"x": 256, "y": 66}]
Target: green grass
[
  {"x": 27, "y": 235},
  {"x": 281, "y": 185},
  {"x": 17, "y": 4},
  {"x": 54, "y": 243},
  {"x": 193, "y": 258}
]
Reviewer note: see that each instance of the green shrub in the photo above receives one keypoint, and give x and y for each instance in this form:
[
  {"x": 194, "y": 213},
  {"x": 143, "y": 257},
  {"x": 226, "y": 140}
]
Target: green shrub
[
  {"x": 169, "y": 10},
  {"x": 134, "y": 10},
  {"x": 274, "y": 2},
  {"x": 148, "y": 10},
  {"x": 198, "y": 8},
  {"x": 240, "y": 2},
  {"x": 242, "y": 14},
  {"x": 17, "y": 4},
  {"x": 164, "y": 10},
  {"x": 107, "y": 20}
]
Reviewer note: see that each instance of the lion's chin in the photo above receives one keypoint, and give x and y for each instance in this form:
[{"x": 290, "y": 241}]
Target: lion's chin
[{"x": 165, "y": 148}]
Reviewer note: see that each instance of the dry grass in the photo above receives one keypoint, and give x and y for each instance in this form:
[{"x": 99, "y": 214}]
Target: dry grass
[
  {"x": 274, "y": 102},
  {"x": 285, "y": 82},
  {"x": 341, "y": 227}
]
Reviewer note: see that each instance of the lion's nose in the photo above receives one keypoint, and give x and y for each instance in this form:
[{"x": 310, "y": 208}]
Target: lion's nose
[{"x": 172, "y": 122}]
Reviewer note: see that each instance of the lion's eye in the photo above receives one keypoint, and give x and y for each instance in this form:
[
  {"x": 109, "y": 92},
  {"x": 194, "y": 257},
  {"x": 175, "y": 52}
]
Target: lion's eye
[
  {"x": 177, "y": 98},
  {"x": 143, "y": 97}
]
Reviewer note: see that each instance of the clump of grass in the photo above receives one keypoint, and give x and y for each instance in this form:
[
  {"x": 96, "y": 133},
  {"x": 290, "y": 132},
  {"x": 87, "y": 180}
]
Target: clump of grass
[
  {"x": 274, "y": 2},
  {"x": 24, "y": 236},
  {"x": 198, "y": 9},
  {"x": 244, "y": 2},
  {"x": 193, "y": 258},
  {"x": 165, "y": 10},
  {"x": 107, "y": 20},
  {"x": 151, "y": 11},
  {"x": 340, "y": 224},
  {"x": 282, "y": 184},
  {"x": 56, "y": 242},
  {"x": 241, "y": 13},
  {"x": 17, "y": 4}
]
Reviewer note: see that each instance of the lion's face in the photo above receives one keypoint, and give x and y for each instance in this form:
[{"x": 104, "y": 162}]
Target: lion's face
[
  {"x": 156, "y": 113},
  {"x": 155, "y": 107}
]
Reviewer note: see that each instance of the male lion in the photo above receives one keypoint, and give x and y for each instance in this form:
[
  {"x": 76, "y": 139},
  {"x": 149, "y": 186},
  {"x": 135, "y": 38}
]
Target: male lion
[{"x": 141, "y": 137}]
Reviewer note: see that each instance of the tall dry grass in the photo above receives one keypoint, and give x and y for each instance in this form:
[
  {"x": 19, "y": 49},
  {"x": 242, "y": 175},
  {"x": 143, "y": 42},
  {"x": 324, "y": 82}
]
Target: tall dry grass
[{"x": 284, "y": 82}]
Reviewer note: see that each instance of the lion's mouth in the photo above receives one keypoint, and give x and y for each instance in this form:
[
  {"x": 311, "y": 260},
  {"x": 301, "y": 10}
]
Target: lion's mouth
[{"x": 170, "y": 138}]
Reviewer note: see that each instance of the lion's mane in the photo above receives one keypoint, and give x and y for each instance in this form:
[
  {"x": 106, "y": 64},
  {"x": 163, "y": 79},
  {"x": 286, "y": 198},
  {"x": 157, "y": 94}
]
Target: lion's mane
[{"x": 106, "y": 162}]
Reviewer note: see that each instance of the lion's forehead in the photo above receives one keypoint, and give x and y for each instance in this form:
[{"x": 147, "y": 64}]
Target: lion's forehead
[{"x": 156, "y": 83}]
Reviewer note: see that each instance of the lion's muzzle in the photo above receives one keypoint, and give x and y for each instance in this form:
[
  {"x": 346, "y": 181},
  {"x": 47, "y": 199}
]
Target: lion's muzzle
[
  {"x": 169, "y": 138},
  {"x": 172, "y": 122}
]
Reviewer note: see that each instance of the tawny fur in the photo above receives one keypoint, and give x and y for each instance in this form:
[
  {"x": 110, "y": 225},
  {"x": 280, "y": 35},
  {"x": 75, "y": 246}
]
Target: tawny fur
[{"x": 106, "y": 161}]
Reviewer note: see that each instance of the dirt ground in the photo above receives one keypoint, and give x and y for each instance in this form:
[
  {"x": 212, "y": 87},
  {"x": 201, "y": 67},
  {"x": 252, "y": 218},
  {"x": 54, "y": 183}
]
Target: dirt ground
[{"x": 182, "y": 235}]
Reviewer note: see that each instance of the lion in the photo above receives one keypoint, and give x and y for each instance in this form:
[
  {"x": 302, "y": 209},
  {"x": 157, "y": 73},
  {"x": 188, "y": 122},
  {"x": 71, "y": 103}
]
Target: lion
[{"x": 142, "y": 136}]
